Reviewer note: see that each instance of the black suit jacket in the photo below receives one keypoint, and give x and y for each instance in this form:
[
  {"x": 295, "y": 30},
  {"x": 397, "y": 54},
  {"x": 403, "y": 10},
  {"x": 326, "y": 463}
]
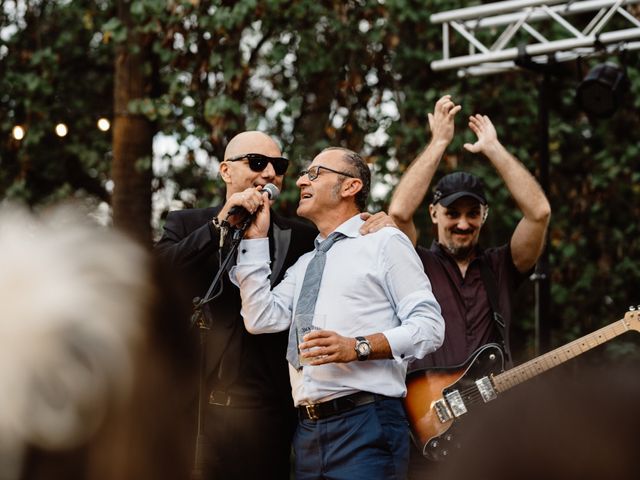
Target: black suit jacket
[{"x": 236, "y": 361}]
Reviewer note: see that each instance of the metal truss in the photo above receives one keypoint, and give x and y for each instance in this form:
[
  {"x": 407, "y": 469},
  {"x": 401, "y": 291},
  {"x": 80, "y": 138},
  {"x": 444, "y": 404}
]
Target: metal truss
[{"x": 502, "y": 21}]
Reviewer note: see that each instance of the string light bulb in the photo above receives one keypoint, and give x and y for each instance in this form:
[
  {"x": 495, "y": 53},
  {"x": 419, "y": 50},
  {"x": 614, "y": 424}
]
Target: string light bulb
[
  {"x": 18, "y": 132},
  {"x": 104, "y": 124},
  {"x": 61, "y": 130}
]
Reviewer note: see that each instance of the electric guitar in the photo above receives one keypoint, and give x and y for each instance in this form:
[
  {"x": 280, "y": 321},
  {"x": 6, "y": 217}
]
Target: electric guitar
[{"x": 437, "y": 399}]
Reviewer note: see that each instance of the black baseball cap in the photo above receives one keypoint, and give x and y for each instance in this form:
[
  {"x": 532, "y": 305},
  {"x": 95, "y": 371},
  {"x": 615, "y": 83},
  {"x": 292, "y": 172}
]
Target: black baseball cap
[{"x": 456, "y": 185}]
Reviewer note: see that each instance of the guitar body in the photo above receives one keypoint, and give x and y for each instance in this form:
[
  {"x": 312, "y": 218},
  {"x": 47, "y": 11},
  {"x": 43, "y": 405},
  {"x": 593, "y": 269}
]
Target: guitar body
[{"x": 437, "y": 398}]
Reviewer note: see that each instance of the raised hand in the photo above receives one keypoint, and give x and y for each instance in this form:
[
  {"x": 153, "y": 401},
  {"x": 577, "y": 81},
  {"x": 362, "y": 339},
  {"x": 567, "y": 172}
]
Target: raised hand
[
  {"x": 485, "y": 131},
  {"x": 441, "y": 121}
]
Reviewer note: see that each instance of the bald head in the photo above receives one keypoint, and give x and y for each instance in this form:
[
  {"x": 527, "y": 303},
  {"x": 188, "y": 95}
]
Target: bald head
[
  {"x": 238, "y": 175},
  {"x": 252, "y": 142}
]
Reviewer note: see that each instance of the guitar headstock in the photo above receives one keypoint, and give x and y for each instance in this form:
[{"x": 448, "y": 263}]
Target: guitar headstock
[{"x": 632, "y": 318}]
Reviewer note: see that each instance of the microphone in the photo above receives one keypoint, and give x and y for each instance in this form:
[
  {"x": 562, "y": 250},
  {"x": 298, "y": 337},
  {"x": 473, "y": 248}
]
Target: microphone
[{"x": 271, "y": 190}]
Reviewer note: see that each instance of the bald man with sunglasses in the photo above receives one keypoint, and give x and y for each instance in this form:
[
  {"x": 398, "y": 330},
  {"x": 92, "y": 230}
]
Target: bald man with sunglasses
[{"x": 250, "y": 418}]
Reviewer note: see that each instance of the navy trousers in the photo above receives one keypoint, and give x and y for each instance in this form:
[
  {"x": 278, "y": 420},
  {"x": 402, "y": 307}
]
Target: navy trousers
[{"x": 369, "y": 442}]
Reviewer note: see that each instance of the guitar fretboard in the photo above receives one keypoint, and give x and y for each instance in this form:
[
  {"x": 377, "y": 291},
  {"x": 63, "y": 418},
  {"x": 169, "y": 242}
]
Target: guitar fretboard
[{"x": 530, "y": 369}]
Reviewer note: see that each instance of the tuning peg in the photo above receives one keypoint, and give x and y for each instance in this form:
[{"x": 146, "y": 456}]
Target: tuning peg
[{"x": 632, "y": 308}]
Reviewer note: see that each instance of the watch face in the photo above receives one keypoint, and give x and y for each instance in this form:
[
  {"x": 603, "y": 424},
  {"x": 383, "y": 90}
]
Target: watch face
[{"x": 363, "y": 348}]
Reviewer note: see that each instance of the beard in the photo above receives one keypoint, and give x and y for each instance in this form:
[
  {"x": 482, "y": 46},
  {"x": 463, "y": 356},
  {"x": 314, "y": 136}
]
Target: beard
[{"x": 460, "y": 251}]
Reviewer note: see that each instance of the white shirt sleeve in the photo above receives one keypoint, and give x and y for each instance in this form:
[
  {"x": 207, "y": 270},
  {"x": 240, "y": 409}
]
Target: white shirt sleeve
[
  {"x": 421, "y": 329},
  {"x": 263, "y": 310}
]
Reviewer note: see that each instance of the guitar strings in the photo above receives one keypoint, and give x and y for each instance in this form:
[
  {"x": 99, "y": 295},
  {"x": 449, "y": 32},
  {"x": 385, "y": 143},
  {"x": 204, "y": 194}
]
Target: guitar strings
[{"x": 471, "y": 395}]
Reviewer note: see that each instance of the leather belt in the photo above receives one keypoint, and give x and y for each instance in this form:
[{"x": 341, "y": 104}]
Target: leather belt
[
  {"x": 224, "y": 399},
  {"x": 318, "y": 411}
]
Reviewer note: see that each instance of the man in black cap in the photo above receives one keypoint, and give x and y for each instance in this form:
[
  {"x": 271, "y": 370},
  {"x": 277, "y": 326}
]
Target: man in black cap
[
  {"x": 458, "y": 211},
  {"x": 458, "y": 268}
]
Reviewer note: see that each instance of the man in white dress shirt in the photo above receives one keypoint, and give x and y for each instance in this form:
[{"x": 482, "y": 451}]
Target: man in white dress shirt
[{"x": 374, "y": 312}]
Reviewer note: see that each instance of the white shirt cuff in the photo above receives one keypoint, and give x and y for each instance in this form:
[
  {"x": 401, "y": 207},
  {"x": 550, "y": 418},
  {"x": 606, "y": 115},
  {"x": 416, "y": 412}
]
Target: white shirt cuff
[
  {"x": 253, "y": 251},
  {"x": 401, "y": 343}
]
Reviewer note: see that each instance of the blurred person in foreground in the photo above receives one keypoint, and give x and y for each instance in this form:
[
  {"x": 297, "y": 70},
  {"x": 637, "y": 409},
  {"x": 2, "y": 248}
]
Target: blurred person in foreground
[
  {"x": 91, "y": 369},
  {"x": 249, "y": 420},
  {"x": 368, "y": 308},
  {"x": 475, "y": 286}
]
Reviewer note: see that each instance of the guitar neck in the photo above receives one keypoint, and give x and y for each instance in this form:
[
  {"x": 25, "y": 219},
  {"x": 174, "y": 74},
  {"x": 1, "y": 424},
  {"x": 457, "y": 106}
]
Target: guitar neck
[{"x": 504, "y": 381}]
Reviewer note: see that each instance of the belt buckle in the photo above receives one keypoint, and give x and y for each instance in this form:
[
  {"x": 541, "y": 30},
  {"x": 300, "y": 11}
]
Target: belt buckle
[{"x": 312, "y": 412}]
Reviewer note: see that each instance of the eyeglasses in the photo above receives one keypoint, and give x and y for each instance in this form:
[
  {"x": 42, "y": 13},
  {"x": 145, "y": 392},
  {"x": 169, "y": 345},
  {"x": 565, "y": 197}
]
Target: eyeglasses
[
  {"x": 313, "y": 172},
  {"x": 258, "y": 162}
]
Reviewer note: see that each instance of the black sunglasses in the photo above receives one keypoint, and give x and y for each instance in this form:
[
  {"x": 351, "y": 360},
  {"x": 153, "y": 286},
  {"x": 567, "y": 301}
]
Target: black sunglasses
[{"x": 258, "y": 162}]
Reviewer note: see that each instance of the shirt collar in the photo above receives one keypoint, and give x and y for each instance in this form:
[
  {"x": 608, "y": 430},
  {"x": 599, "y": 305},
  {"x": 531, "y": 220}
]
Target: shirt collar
[{"x": 350, "y": 228}]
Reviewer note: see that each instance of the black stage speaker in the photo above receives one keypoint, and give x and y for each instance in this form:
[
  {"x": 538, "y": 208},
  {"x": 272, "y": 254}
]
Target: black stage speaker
[{"x": 600, "y": 93}]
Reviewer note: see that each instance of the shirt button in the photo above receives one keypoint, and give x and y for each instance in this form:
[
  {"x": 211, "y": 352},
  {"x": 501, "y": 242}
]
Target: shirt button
[
  {"x": 244, "y": 250},
  {"x": 402, "y": 355}
]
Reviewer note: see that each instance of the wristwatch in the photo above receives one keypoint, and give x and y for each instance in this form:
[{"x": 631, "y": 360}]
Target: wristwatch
[{"x": 363, "y": 348}]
